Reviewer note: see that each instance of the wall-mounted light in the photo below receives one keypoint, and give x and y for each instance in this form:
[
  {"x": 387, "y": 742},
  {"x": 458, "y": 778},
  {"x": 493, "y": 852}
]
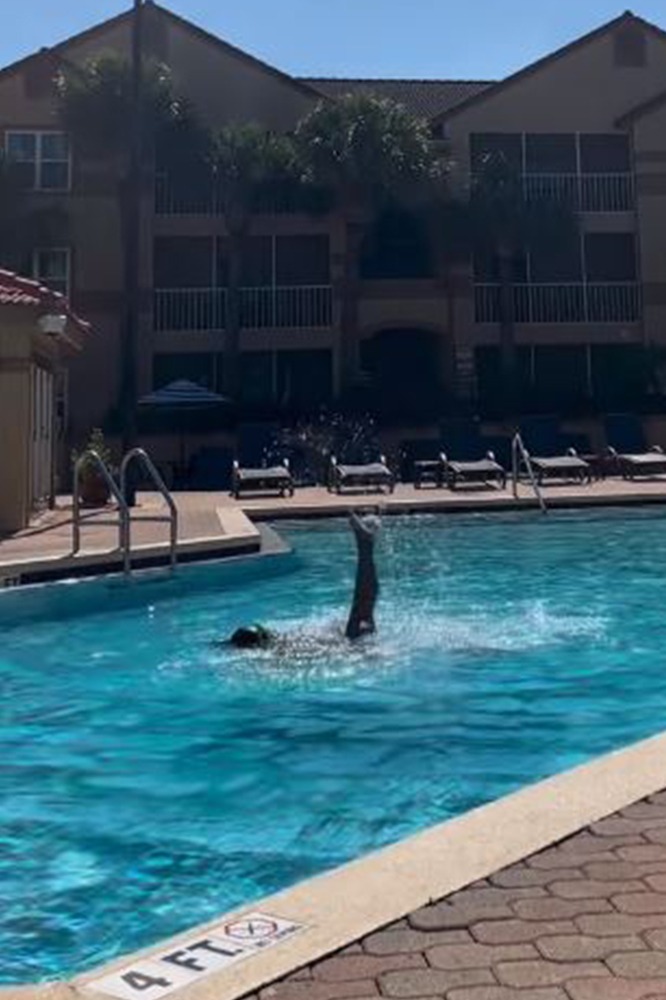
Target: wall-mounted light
[{"x": 52, "y": 324}]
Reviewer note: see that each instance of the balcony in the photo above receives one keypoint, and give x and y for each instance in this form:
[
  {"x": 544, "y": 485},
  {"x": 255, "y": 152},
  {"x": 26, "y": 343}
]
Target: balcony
[
  {"x": 205, "y": 197},
  {"x": 293, "y": 307},
  {"x": 583, "y": 192},
  {"x": 618, "y": 302}
]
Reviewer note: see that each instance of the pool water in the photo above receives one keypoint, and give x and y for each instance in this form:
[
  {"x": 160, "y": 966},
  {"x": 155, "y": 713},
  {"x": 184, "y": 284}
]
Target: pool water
[{"x": 151, "y": 781}]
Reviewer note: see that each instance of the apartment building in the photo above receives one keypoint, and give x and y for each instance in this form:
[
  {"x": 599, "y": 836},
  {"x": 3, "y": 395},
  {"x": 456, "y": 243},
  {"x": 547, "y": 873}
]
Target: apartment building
[{"x": 586, "y": 124}]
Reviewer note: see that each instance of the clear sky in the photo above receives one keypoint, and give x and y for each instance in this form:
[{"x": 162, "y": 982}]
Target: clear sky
[{"x": 474, "y": 39}]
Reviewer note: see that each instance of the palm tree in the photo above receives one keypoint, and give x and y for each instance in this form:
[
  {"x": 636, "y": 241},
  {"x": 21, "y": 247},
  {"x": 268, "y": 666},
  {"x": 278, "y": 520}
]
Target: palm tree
[
  {"x": 505, "y": 224},
  {"x": 365, "y": 151},
  {"x": 98, "y": 108},
  {"x": 246, "y": 159}
]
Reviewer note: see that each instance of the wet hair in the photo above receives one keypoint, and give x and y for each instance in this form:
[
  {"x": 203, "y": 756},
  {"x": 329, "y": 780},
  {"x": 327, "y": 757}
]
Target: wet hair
[{"x": 250, "y": 637}]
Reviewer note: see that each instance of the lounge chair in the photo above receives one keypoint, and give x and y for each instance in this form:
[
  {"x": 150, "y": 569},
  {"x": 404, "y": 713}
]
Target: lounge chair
[
  {"x": 568, "y": 466},
  {"x": 276, "y": 478},
  {"x": 645, "y": 463},
  {"x": 628, "y": 454},
  {"x": 375, "y": 474},
  {"x": 485, "y": 470}
]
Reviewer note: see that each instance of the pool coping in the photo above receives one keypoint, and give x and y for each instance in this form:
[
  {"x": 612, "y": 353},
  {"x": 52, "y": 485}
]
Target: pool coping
[
  {"x": 239, "y": 535},
  {"x": 240, "y": 531},
  {"x": 350, "y": 902}
]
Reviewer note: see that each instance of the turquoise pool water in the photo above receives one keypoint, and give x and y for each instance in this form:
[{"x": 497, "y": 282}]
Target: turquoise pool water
[{"x": 150, "y": 781}]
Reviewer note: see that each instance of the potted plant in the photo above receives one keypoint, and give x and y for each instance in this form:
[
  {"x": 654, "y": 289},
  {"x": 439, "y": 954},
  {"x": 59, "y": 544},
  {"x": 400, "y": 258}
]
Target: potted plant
[{"x": 93, "y": 488}]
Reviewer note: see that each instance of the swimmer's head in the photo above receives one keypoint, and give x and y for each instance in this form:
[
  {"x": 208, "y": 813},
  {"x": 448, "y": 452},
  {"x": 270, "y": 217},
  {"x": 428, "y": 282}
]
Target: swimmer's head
[{"x": 251, "y": 637}]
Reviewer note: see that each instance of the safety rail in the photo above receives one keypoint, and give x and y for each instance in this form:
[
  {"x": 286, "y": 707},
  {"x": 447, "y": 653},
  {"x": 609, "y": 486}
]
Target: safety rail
[
  {"x": 171, "y": 517},
  {"x": 119, "y": 496},
  {"x": 519, "y": 452}
]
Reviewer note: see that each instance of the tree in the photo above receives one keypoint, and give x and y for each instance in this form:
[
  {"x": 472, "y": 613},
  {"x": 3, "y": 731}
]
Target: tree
[
  {"x": 365, "y": 151},
  {"x": 504, "y": 223},
  {"x": 246, "y": 159},
  {"x": 97, "y": 108}
]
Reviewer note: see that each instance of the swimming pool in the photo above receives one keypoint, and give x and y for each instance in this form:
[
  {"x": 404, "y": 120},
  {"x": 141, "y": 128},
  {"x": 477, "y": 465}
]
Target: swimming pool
[{"x": 150, "y": 781}]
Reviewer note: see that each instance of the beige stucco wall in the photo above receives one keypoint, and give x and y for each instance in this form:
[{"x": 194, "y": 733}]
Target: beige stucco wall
[{"x": 15, "y": 417}]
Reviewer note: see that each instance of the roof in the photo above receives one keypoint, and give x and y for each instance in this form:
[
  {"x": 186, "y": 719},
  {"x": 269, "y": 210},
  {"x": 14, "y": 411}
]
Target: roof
[
  {"x": 425, "y": 98},
  {"x": 98, "y": 30},
  {"x": 644, "y": 108},
  {"x": 628, "y": 17},
  {"x": 18, "y": 291}
]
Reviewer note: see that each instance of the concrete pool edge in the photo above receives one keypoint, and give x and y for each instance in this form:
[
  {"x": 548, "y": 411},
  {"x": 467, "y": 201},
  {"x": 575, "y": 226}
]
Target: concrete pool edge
[{"x": 348, "y": 903}]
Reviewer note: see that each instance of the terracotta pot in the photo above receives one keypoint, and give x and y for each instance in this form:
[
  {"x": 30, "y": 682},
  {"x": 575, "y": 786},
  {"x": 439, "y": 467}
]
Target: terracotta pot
[{"x": 93, "y": 490}]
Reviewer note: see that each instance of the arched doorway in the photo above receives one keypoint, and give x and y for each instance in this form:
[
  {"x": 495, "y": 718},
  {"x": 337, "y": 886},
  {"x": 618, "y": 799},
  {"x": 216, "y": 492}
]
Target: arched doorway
[{"x": 406, "y": 372}]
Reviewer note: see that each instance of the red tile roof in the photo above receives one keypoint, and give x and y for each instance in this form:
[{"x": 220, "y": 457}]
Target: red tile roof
[
  {"x": 425, "y": 98},
  {"x": 18, "y": 291}
]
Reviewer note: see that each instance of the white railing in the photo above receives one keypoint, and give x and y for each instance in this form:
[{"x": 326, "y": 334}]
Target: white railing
[
  {"x": 583, "y": 192},
  {"x": 576, "y": 302},
  {"x": 189, "y": 309},
  {"x": 260, "y": 308},
  {"x": 205, "y": 197}
]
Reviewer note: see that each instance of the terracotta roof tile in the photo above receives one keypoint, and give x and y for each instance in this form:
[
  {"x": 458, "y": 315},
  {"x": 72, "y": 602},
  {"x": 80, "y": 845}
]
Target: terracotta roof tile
[
  {"x": 426, "y": 98},
  {"x": 18, "y": 291}
]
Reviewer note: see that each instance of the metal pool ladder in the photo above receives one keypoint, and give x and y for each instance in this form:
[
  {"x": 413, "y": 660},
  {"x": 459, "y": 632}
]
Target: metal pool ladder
[
  {"x": 119, "y": 494},
  {"x": 519, "y": 453},
  {"x": 123, "y": 510},
  {"x": 138, "y": 454}
]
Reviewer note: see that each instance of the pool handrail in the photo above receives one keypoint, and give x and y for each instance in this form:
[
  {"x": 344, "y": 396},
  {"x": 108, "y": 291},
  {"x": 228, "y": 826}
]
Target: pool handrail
[
  {"x": 90, "y": 455},
  {"x": 520, "y": 453},
  {"x": 172, "y": 517}
]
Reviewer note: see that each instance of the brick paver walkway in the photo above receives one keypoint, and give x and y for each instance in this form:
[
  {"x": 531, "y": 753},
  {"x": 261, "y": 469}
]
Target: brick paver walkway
[{"x": 583, "y": 920}]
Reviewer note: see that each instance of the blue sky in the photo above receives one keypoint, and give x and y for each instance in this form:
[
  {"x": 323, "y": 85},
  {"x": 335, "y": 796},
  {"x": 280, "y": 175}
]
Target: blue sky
[{"x": 476, "y": 39}]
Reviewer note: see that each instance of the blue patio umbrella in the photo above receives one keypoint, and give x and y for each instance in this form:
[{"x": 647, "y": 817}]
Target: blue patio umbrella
[{"x": 182, "y": 396}]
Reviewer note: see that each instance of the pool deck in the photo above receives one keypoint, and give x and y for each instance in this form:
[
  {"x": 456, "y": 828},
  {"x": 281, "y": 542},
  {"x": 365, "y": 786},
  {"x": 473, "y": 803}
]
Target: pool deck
[
  {"x": 584, "y": 919},
  {"x": 213, "y": 525}
]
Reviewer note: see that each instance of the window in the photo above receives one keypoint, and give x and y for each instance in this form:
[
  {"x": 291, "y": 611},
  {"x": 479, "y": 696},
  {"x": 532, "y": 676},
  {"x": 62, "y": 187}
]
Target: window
[
  {"x": 183, "y": 262},
  {"x": 560, "y": 375},
  {"x": 553, "y": 262},
  {"x": 302, "y": 260},
  {"x": 50, "y": 267},
  {"x": 550, "y": 154},
  {"x": 43, "y": 159},
  {"x": 396, "y": 247},
  {"x": 605, "y": 154},
  {"x": 610, "y": 257},
  {"x": 258, "y": 262},
  {"x": 487, "y": 267}
]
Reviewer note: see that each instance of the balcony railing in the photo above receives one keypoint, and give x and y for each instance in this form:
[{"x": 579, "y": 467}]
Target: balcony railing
[
  {"x": 583, "y": 192},
  {"x": 205, "y": 197},
  {"x": 261, "y": 308},
  {"x": 558, "y": 303}
]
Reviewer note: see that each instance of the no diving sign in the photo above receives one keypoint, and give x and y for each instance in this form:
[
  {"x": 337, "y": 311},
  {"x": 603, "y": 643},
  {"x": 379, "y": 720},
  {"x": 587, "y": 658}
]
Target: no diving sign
[{"x": 225, "y": 945}]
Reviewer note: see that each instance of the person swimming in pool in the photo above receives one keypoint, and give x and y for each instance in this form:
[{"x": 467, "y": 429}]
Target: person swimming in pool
[{"x": 361, "y": 619}]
